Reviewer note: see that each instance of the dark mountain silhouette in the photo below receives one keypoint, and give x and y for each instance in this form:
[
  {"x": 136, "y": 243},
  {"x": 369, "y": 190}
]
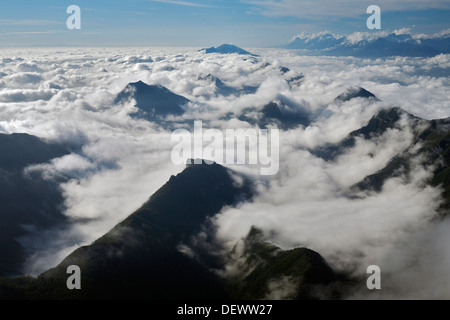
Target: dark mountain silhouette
[
  {"x": 225, "y": 90},
  {"x": 153, "y": 101},
  {"x": 276, "y": 113},
  {"x": 431, "y": 143},
  {"x": 378, "y": 124},
  {"x": 284, "y": 70},
  {"x": 434, "y": 150},
  {"x": 295, "y": 80},
  {"x": 26, "y": 199},
  {"x": 139, "y": 257},
  {"x": 356, "y": 92},
  {"x": 19, "y": 150},
  {"x": 266, "y": 265},
  {"x": 227, "y": 49}
]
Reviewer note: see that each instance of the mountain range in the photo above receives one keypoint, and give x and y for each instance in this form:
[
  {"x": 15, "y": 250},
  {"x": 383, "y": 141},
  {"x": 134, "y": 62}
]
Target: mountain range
[
  {"x": 377, "y": 47},
  {"x": 156, "y": 252},
  {"x": 156, "y": 103},
  {"x": 147, "y": 256}
]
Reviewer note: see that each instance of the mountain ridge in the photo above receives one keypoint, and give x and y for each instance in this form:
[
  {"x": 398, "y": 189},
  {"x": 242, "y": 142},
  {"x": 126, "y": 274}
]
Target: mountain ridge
[
  {"x": 154, "y": 102},
  {"x": 392, "y": 44},
  {"x": 140, "y": 253}
]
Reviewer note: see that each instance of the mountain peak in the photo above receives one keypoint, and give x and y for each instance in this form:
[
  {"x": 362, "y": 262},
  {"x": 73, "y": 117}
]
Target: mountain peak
[
  {"x": 142, "y": 252},
  {"x": 306, "y": 266},
  {"x": 356, "y": 92},
  {"x": 153, "y": 101},
  {"x": 139, "y": 83},
  {"x": 187, "y": 199},
  {"x": 283, "y": 114},
  {"x": 227, "y": 49}
]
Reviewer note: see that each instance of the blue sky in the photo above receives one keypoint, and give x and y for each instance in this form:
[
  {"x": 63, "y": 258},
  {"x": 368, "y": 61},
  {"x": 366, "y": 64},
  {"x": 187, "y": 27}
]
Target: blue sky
[{"x": 200, "y": 23}]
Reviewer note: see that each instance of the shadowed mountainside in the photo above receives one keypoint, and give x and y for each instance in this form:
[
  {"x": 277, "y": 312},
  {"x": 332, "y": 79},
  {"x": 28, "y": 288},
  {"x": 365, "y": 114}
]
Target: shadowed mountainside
[
  {"x": 154, "y": 102},
  {"x": 28, "y": 200}
]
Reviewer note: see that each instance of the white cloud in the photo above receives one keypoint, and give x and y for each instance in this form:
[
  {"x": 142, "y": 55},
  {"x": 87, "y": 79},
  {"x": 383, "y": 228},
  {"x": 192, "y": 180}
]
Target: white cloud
[
  {"x": 356, "y": 37},
  {"x": 360, "y": 36},
  {"x": 23, "y": 80},
  {"x": 185, "y": 3},
  {"x": 67, "y": 95},
  {"x": 25, "y": 95}
]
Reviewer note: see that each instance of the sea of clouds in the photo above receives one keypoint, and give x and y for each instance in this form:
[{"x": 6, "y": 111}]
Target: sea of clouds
[{"x": 67, "y": 96}]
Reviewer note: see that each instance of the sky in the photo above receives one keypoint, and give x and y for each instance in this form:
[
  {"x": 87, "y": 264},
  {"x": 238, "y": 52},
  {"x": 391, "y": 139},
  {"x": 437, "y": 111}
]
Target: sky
[{"x": 204, "y": 23}]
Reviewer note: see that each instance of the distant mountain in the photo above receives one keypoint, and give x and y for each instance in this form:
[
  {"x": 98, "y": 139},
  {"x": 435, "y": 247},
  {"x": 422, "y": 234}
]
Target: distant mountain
[
  {"x": 356, "y": 92},
  {"x": 227, "y": 49},
  {"x": 316, "y": 42},
  {"x": 153, "y": 101},
  {"x": 27, "y": 201},
  {"x": 276, "y": 113},
  {"x": 284, "y": 70},
  {"x": 441, "y": 44},
  {"x": 383, "y": 46},
  {"x": 226, "y": 90}
]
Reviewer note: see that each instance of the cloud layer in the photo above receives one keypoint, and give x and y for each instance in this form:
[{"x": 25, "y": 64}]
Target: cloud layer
[{"x": 66, "y": 95}]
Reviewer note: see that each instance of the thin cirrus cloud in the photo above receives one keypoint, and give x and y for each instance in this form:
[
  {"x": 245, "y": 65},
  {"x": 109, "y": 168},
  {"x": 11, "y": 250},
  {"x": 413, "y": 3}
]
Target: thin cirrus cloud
[
  {"x": 34, "y": 32},
  {"x": 19, "y": 22},
  {"x": 328, "y": 8},
  {"x": 185, "y": 3}
]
